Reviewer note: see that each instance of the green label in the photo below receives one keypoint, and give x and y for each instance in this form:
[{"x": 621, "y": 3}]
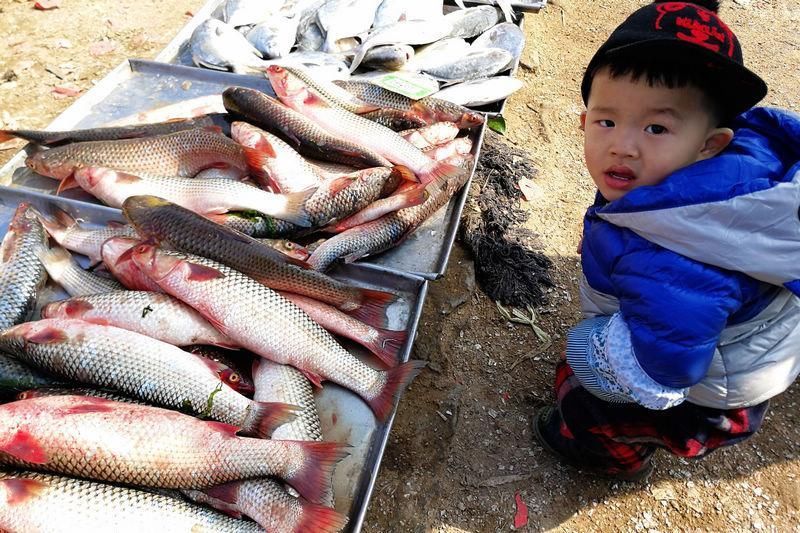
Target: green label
[{"x": 400, "y": 84}]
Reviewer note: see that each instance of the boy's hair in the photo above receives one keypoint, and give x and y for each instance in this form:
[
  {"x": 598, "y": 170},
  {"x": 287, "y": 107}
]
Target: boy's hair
[{"x": 677, "y": 44}]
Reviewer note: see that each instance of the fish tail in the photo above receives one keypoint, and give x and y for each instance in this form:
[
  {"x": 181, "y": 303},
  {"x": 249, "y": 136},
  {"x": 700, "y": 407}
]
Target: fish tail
[
  {"x": 57, "y": 226},
  {"x": 439, "y": 171},
  {"x": 398, "y": 379},
  {"x": 359, "y": 57},
  {"x": 387, "y": 344},
  {"x": 265, "y": 417},
  {"x": 7, "y": 135},
  {"x": 373, "y": 307},
  {"x": 313, "y": 479},
  {"x": 294, "y": 209},
  {"x": 320, "y": 519}
]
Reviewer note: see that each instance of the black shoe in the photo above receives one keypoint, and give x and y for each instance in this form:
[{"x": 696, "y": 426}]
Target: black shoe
[{"x": 542, "y": 416}]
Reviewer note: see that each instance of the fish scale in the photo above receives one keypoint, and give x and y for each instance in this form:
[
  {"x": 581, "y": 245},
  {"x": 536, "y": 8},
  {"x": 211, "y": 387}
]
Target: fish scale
[
  {"x": 152, "y": 447},
  {"x": 183, "y": 154},
  {"x": 61, "y": 503},
  {"x": 242, "y": 308},
  {"x": 130, "y": 362},
  {"x": 22, "y": 274}
]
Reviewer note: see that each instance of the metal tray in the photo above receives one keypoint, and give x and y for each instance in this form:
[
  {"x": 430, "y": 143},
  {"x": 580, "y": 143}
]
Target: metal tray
[
  {"x": 137, "y": 85},
  {"x": 344, "y": 416}
]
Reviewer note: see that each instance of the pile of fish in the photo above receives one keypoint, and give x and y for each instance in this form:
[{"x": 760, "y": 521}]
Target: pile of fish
[
  {"x": 183, "y": 362},
  {"x": 321, "y": 159},
  {"x": 421, "y": 44}
]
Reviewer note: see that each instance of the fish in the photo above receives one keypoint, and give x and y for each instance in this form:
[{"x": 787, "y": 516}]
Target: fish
[
  {"x": 65, "y": 271},
  {"x": 287, "y": 247},
  {"x": 217, "y": 45},
  {"x": 506, "y": 35},
  {"x": 257, "y": 225},
  {"x": 293, "y": 92},
  {"x": 116, "y": 253},
  {"x": 438, "y": 53},
  {"x": 429, "y": 136},
  {"x": 240, "y": 307},
  {"x": 459, "y": 146},
  {"x": 472, "y": 21},
  {"x": 248, "y": 12},
  {"x": 381, "y": 234},
  {"x": 389, "y": 56},
  {"x": 139, "y": 366},
  {"x": 330, "y": 92},
  {"x": 68, "y": 233},
  {"x": 306, "y": 136},
  {"x": 207, "y": 196},
  {"x": 52, "y": 138},
  {"x": 149, "y": 446},
  {"x": 389, "y": 12},
  {"x": 184, "y": 154},
  {"x": 373, "y": 211},
  {"x": 22, "y": 274},
  {"x": 285, "y": 170},
  {"x": 480, "y": 92},
  {"x": 154, "y": 314},
  {"x": 310, "y": 37},
  {"x": 345, "y": 18},
  {"x": 476, "y": 63},
  {"x": 505, "y": 7},
  {"x": 384, "y": 343},
  {"x": 16, "y": 376},
  {"x": 275, "y": 36},
  {"x": 34, "y": 501},
  {"x": 164, "y": 222},
  {"x": 412, "y": 32},
  {"x": 271, "y": 506},
  {"x": 425, "y": 110},
  {"x": 200, "y": 106}
]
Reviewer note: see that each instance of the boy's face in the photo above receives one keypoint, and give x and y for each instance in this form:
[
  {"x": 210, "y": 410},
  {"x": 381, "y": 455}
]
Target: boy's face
[{"x": 637, "y": 134}]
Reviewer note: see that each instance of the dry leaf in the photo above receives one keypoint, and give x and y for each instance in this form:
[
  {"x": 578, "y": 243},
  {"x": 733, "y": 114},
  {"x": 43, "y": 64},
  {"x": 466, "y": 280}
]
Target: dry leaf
[
  {"x": 60, "y": 91},
  {"x": 45, "y": 5},
  {"x": 102, "y": 47}
]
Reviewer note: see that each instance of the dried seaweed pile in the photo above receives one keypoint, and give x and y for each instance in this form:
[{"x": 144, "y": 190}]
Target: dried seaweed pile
[{"x": 506, "y": 268}]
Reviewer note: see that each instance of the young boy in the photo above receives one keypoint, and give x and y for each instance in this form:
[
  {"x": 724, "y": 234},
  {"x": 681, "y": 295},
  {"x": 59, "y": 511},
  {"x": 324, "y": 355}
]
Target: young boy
[{"x": 690, "y": 253}]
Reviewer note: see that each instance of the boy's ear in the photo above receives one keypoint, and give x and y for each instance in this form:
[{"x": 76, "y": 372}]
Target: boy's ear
[
  {"x": 583, "y": 121},
  {"x": 717, "y": 141}
]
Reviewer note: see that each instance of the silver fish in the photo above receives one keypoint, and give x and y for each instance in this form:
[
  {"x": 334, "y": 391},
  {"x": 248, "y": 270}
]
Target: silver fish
[
  {"x": 216, "y": 45},
  {"x": 22, "y": 274},
  {"x": 45, "y": 503},
  {"x": 473, "y": 21},
  {"x": 65, "y": 271},
  {"x": 506, "y": 35},
  {"x": 248, "y": 12},
  {"x": 404, "y": 32},
  {"x": 274, "y": 37},
  {"x": 438, "y": 54},
  {"x": 345, "y": 18},
  {"x": 390, "y": 56},
  {"x": 68, "y": 233},
  {"x": 480, "y": 92},
  {"x": 475, "y": 64}
]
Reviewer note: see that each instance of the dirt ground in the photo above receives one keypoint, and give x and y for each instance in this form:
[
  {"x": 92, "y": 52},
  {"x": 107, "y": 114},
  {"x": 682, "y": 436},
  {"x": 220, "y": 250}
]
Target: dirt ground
[{"x": 460, "y": 448}]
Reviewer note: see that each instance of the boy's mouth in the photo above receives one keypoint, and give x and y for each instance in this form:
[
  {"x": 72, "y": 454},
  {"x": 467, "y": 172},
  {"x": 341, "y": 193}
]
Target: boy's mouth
[{"x": 619, "y": 177}]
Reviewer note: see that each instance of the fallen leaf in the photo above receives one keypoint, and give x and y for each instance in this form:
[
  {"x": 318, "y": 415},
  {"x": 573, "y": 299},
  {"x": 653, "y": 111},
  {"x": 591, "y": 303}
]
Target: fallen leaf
[
  {"x": 60, "y": 91},
  {"x": 498, "y": 124},
  {"x": 530, "y": 190},
  {"x": 102, "y": 47},
  {"x": 189, "y": 14},
  {"x": 45, "y": 5},
  {"x": 521, "y": 516}
]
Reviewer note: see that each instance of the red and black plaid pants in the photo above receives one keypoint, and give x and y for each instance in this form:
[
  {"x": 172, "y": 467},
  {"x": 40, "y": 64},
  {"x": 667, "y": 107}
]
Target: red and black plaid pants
[{"x": 621, "y": 437}]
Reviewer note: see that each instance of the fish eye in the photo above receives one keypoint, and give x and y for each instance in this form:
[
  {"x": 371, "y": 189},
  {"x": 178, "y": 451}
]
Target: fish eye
[{"x": 234, "y": 377}]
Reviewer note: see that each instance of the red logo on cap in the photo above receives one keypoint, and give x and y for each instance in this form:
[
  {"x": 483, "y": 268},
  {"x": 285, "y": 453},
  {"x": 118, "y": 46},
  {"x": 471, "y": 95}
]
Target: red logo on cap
[{"x": 701, "y": 26}]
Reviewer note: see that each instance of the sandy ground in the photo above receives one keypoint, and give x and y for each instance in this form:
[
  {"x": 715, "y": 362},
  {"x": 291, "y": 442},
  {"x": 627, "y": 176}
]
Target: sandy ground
[{"x": 460, "y": 448}]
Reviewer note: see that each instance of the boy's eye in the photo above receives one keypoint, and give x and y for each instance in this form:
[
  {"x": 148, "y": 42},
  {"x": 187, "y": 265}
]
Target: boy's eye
[
  {"x": 655, "y": 129},
  {"x": 606, "y": 123}
]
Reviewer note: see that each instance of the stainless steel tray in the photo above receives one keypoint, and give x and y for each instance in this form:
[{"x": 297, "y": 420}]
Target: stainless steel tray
[
  {"x": 137, "y": 85},
  {"x": 344, "y": 416}
]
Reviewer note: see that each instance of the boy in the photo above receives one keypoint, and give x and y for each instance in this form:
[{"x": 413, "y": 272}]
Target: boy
[{"x": 689, "y": 254}]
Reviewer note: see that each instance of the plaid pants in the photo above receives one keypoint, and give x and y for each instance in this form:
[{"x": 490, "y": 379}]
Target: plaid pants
[{"x": 621, "y": 438}]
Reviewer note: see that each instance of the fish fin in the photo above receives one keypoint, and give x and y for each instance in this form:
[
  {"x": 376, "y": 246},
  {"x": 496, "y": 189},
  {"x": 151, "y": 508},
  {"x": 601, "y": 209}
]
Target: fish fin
[
  {"x": 22, "y": 489},
  {"x": 423, "y": 112},
  {"x": 373, "y": 307},
  {"x": 313, "y": 479},
  {"x": 314, "y": 100},
  {"x": 439, "y": 171},
  {"x": 116, "y": 224},
  {"x": 65, "y": 219},
  {"x": 264, "y": 417},
  {"x": 202, "y": 272},
  {"x": 414, "y": 197},
  {"x": 257, "y": 159},
  {"x": 212, "y": 128},
  {"x": 226, "y": 493},
  {"x": 89, "y": 407},
  {"x": 397, "y": 380},
  {"x": 314, "y": 378},
  {"x": 352, "y": 258},
  {"x": 405, "y": 173},
  {"x": 48, "y": 335},
  {"x": 25, "y": 447},
  {"x": 228, "y": 430},
  {"x": 66, "y": 184},
  {"x": 125, "y": 256},
  {"x": 387, "y": 345},
  {"x": 339, "y": 184},
  {"x": 295, "y": 207},
  {"x": 319, "y": 518},
  {"x": 359, "y": 57}
]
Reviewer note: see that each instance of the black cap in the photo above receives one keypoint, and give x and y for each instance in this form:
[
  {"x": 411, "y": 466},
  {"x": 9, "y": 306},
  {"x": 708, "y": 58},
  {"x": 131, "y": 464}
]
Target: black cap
[{"x": 690, "y": 28}]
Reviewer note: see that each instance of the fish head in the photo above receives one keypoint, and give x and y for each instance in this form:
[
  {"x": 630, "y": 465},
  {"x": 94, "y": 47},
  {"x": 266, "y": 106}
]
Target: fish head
[
  {"x": 285, "y": 84},
  {"x": 470, "y": 119},
  {"x": 153, "y": 262},
  {"x": 140, "y": 209},
  {"x": 53, "y": 163}
]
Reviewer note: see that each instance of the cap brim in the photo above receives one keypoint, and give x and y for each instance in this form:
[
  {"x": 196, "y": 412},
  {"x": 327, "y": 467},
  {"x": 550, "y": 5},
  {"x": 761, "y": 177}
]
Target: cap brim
[{"x": 743, "y": 87}]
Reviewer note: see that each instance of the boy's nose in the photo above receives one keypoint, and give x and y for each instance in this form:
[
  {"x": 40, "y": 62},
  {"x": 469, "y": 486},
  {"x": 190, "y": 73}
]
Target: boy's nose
[{"x": 624, "y": 145}]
